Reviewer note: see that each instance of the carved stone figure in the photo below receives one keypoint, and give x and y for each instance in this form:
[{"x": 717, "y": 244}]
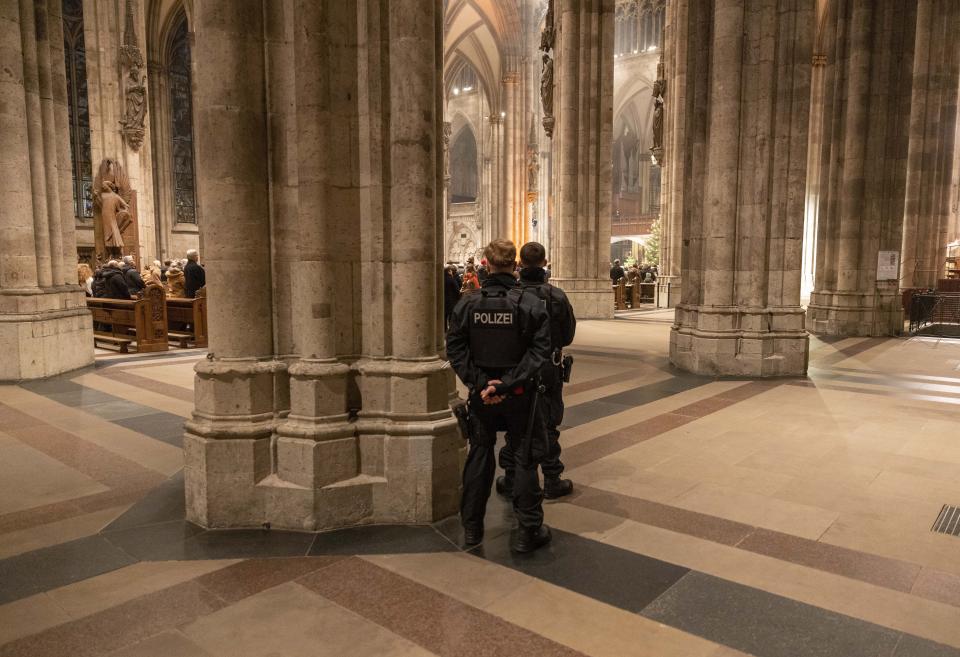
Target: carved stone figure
[
  {"x": 135, "y": 85},
  {"x": 533, "y": 168},
  {"x": 114, "y": 216},
  {"x": 659, "y": 91},
  {"x": 447, "y": 131},
  {"x": 546, "y": 86}
]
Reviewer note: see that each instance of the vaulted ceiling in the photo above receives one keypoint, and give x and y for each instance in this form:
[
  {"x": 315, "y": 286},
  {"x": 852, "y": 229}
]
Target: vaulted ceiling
[{"x": 485, "y": 33}]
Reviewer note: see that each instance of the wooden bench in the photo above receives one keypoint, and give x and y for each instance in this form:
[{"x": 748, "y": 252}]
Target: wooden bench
[
  {"x": 141, "y": 321},
  {"x": 187, "y": 320}
]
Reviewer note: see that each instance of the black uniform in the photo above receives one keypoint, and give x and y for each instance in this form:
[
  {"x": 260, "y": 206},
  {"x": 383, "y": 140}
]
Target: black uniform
[
  {"x": 501, "y": 334},
  {"x": 563, "y": 326}
]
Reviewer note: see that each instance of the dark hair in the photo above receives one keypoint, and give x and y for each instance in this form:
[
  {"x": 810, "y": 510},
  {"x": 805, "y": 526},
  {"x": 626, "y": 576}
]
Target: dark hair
[{"x": 533, "y": 254}]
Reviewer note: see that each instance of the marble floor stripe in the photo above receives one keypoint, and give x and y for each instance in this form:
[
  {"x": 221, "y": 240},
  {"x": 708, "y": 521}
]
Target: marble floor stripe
[
  {"x": 764, "y": 624},
  {"x": 850, "y": 351},
  {"x": 92, "y": 460},
  {"x": 600, "y": 446},
  {"x": 880, "y": 606},
  {"x": 168, "y": 389},
  {"x": 49, "y": 568},
  {"x": 732, "y": 614},
  {"x": 551, "y": 611},
  {"x": 883, "y": 571},
  {"x": 146, "y": 615},
  {"x": 402, "y": 606},
  {"x": 627, "y": 580}
]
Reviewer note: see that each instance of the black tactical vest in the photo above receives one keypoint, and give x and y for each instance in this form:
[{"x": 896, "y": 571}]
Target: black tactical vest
[
  {"x": 544, "y": 292},
  {"x": 495, "y": 334}
]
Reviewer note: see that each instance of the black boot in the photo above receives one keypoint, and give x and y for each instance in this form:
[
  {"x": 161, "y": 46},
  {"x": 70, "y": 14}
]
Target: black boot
[
  {"x": 472, "y": 535},
  {"x": 528, "y": 539},
  {"x": 554, "y": 487},
  {"x": 504, "y": 486}
]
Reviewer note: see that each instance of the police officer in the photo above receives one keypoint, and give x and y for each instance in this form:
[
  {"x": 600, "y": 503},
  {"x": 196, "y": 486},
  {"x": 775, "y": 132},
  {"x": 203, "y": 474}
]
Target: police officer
[
  {"x": 563, "y": 326},
  {"x": 498, "y": 341}
]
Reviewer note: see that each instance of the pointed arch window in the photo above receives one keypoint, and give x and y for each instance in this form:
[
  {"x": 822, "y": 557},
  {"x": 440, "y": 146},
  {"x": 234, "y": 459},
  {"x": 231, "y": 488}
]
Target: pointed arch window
[
  {"x": 181, "y": 124},
  {"x": 78, "y": 104}
]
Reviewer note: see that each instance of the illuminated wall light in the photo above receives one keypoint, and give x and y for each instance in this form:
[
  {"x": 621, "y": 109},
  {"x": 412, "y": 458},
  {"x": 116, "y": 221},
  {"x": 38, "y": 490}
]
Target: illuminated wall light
[
  {"x": 456, "y": 91},
  {"x": 503, "y": 115}
]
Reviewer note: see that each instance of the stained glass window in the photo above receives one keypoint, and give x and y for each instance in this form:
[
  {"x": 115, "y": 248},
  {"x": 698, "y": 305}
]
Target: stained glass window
[
  {"x": 181, "y": 113},
  {"x": 79, "y": 107}
]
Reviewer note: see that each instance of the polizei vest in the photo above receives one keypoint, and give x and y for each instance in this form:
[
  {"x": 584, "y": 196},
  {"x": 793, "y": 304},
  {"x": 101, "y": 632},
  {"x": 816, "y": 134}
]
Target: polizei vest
[{"x": 495, "y": 333}]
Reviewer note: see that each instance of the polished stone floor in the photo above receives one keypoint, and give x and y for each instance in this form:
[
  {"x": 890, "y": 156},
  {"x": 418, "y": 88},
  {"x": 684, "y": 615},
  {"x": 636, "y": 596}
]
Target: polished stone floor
[{"x": 712, "y": 518}]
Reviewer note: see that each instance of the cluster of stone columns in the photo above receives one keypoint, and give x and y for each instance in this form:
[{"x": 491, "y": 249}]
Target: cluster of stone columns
[
  {"x": 323, "y": 401},
  {"x": 45, "y": 327},
  {"x": 867, "y": 99},
  {"x": 582, "y": 154},
  {"x": 932, "y": 134},
  {"x": 745, "y": 97}
]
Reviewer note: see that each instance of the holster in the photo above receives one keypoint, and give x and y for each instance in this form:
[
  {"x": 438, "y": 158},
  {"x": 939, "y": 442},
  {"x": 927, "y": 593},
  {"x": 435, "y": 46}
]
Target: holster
[
  {"x": 567, "y": 368},
  {"x": 461, "y": 411}
]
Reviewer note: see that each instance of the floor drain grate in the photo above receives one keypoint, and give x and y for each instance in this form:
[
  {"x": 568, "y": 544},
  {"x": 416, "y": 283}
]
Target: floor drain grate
[{"x": 948, "y": 522}]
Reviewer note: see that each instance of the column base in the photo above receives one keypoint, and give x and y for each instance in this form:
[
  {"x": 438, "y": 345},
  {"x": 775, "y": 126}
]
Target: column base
[
  {"x": 591, "y": 298},
  {"x": 855, "y": 314},
  {"x": 43, "y": 333},
  {"x": 398, "y": 462},
  {"x": 732, "y": 341}
]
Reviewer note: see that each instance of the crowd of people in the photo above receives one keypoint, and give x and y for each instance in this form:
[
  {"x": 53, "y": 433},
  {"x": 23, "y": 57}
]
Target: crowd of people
[
  {"x": 468, "y": 277},
  {"x": 120, "y": 279},
  {"x": 635, "y": 273}
]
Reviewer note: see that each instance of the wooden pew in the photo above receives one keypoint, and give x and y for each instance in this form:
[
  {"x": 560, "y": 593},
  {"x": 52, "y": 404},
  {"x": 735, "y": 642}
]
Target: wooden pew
[
  {"x": 138, "y": 321},
  {"x": 619, "y": 295},
  {"x": 184, "y": 312}
]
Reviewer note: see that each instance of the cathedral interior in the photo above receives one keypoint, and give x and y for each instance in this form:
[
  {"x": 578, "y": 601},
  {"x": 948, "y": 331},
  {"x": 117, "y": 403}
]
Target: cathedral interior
[{"x": 753, "y": 207}]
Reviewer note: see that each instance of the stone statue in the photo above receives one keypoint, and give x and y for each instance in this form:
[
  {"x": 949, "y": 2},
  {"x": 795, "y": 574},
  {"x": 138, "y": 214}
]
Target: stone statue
[
  {"x": 533, "y": 168},
  {"x": 447, "y": 131},
  {"x": 658, "y": 122},
  {"x": 135, "y": 85},
  {"x": 546, "y": 86},
  {"x": 136, "y": 108},
  {"x": 114, "y": 215},
  {"x": 659, "y": 91}
]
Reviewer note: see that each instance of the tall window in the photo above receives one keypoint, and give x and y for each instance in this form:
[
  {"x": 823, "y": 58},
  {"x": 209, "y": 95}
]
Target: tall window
[
  {"x": 463, "y": 167},
  {"x": 181, "y": 133},
  {"x": 78, "y": 107}
]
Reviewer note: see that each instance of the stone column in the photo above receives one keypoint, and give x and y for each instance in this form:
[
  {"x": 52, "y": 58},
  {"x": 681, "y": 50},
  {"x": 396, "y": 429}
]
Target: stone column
[
  {"x": 328, "y": 406},
  {"x": 933, "y": 121},
  {"x": 228, "y": 442},
  {"x": 867, "y": 95},
  {"x": 740, "y": 311},
  {"x": 674, "y": 203},
  {"x": 583, "y": 103},
  {"x": 45, "y": 327},
  {"x": 408, "y": 436}
]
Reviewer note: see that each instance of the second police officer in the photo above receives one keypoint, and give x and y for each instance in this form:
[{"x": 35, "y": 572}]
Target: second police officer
[
  {"x": 498, "y": 341},
  {"x": 563, "y": 326}
]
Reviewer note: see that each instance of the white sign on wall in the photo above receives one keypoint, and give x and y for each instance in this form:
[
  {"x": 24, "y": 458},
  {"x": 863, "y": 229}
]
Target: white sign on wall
[{"x": 888, "y": 265}]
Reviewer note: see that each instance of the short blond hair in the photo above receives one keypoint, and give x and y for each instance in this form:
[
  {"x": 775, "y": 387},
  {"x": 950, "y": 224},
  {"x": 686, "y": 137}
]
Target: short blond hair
[{"x": 501, "y": 254}]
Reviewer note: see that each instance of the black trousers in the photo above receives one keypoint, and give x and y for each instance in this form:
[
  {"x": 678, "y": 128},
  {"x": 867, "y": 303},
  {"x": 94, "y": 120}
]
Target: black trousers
[
  {"x": 511, "y": 415},
  {"x": 552, "y": 404}
]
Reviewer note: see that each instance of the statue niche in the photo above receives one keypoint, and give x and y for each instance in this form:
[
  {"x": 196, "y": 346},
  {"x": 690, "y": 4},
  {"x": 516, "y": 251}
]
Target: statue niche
[{"x": 115, "y": 226}]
